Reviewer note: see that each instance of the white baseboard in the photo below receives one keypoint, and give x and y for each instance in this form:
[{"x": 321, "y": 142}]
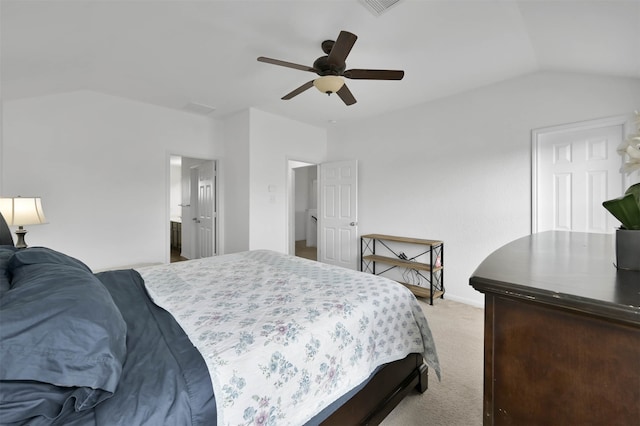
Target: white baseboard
[{"x": 464, "y": 300}]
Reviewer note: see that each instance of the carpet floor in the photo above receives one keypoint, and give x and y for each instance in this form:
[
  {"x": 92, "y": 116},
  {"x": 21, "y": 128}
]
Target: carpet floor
[
  {"x": 458, "y": 330},
  {"x": 302, "y": 250}
]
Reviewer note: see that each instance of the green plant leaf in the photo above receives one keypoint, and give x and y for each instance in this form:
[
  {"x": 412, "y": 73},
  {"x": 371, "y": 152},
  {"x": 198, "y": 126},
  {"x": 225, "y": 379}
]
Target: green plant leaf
[
  {"x": 635, "y": 190},
  {"x": 626, "y": 209}
]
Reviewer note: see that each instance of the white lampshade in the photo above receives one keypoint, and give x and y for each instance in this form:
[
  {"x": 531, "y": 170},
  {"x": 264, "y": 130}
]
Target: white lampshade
[
  {"x": 20, "y": 211},
  {"x": 328, "y": 83}
]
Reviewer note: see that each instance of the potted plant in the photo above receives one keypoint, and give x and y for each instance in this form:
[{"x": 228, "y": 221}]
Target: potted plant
[{"x": 627, "y": 210}]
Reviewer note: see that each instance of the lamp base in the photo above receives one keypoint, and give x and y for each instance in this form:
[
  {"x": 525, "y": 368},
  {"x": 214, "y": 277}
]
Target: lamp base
[{"x": 20, "y": 233}]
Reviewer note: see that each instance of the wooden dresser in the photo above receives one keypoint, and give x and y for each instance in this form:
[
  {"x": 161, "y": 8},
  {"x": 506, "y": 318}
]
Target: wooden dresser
[{"x": 562, "y": 333}]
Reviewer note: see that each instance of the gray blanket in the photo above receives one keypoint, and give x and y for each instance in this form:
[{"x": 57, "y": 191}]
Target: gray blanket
[
  {"x": 64, "y": 356},
  {"x": 164, "y": 379}
]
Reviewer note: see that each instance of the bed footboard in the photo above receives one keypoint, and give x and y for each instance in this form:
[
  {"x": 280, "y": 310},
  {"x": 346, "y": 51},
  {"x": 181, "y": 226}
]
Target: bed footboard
[{"x": 383, "y": 393}]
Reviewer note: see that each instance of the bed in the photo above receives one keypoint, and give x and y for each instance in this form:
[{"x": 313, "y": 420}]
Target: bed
[{"x": 248, "y": 338}]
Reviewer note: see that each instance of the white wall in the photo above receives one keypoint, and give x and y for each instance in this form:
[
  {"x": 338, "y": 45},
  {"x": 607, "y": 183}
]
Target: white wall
[
  {"x": 234, "y": 168},
  {"x": 101, "y": 165},
  {"x": 274, "y": 141},
  {"x": 459, "y": 169}
]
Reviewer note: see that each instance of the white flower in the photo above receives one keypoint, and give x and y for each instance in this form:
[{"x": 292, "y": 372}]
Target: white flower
[{"x": 631, "y": 147}]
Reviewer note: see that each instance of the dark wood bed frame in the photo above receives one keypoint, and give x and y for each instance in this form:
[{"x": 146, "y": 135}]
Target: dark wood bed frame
[{"x": 383, "y": 392}]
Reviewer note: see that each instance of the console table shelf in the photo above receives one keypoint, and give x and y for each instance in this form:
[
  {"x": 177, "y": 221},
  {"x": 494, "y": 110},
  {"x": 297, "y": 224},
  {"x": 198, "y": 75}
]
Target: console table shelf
[{"x": 430, "y": 271}]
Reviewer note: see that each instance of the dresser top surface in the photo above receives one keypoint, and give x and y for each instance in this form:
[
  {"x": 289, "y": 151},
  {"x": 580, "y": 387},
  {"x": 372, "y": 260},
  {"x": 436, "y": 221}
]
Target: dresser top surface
[{"x": 571, "y": 269}]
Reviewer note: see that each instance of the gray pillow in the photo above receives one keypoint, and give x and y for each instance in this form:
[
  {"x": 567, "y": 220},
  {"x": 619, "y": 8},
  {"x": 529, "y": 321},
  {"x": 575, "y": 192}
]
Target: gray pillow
[
  {"x": 44, "y": 255},
  {"x": 60, "y": 327}
]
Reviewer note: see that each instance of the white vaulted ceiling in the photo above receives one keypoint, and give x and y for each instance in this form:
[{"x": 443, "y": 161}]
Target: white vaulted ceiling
[{"x": 173, "y": 52}]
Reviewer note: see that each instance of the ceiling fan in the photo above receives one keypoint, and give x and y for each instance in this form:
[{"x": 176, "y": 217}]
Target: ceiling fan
[{"x": 332, "y": 67}]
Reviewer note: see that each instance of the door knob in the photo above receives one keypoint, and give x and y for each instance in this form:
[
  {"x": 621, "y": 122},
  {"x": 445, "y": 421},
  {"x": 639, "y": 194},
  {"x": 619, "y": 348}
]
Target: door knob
[{"x": 353, "y": 223}]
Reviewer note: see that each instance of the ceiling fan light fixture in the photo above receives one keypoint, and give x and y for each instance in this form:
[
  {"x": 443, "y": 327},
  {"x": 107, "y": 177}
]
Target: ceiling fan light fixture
[{"x": 328, "y": 84}]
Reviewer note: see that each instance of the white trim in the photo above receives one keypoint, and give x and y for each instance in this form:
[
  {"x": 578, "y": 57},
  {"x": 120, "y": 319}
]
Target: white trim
[
  {"x": 537, "y": 134},
  {"x": 465, "y": 300}
]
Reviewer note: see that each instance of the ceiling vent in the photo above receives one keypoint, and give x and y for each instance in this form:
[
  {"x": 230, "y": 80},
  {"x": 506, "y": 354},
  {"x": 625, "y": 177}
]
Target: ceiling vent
[
  {"x": 199, "y": 108},
  {"x": 377, "y": 7}
]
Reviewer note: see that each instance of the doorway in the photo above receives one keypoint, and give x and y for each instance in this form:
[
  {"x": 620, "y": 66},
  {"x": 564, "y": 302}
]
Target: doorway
[
  {"x": 193, "y": 206},
  {"x": 304, "y": 235},
  {"x": 575, "y": 168},
  {"x": 330, "y": 211}
]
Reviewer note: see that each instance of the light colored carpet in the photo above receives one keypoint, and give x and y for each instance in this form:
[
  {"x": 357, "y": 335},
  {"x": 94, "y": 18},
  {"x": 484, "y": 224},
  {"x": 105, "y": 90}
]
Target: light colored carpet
[
  {"x": 458, "y": 330},
  {"x": 302, "y": 250}
]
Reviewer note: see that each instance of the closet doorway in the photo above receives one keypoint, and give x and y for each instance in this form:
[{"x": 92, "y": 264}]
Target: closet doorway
[
  {"x": 193, "y": 207},
  {"x": 305, "y": 210}
]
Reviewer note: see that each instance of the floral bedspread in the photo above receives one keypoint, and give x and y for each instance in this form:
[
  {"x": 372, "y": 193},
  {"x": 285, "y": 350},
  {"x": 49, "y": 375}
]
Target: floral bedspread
[{"x": 283, "y": 337}]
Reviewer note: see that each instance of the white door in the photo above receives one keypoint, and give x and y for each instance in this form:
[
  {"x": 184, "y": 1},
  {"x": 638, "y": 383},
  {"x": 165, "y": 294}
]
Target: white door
[
  {"x": 206, "y": 214},
  {"x": 575, "y": 171},
  {"x": 338, "y": 214}
]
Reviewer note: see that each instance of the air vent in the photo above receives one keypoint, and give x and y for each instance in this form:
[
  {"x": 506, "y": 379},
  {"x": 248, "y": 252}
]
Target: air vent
[
  {"x": 377, "y": 7},
  {"x": 199, "y": 108}
]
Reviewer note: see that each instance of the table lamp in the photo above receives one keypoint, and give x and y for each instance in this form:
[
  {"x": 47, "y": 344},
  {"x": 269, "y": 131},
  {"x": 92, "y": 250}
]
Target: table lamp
[{"x": 21, "y": 211}]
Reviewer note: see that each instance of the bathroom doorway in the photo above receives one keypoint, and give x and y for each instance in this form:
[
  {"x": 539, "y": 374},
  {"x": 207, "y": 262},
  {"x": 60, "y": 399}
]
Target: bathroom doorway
[{"x": 192, "y": 208}]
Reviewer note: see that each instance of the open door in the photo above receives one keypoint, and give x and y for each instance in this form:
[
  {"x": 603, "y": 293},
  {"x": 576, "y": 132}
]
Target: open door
[
  {"x": 205, "y": 175},
  {"x": 338, "y": 214},
  {"x": 192, "y": 208}
]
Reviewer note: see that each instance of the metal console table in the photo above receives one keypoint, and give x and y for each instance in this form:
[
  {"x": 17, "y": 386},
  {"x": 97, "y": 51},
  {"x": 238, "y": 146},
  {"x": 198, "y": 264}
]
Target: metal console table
[{"x": 430, "y": 272}]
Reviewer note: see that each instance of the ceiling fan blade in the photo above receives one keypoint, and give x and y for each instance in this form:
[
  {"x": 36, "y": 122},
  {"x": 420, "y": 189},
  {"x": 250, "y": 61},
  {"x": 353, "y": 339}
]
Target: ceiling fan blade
[
  {"x": 346, "y": 95},
  {"x": 341, "y": 48},
  {"x": 374, "y": 74},
  {"x": 299, "y": 90},
  {"x": 285, "y": 64}
]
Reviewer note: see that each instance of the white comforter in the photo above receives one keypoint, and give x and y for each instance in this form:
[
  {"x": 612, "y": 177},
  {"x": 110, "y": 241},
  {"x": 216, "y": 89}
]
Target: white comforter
[{"x": 283, "y": 337}]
